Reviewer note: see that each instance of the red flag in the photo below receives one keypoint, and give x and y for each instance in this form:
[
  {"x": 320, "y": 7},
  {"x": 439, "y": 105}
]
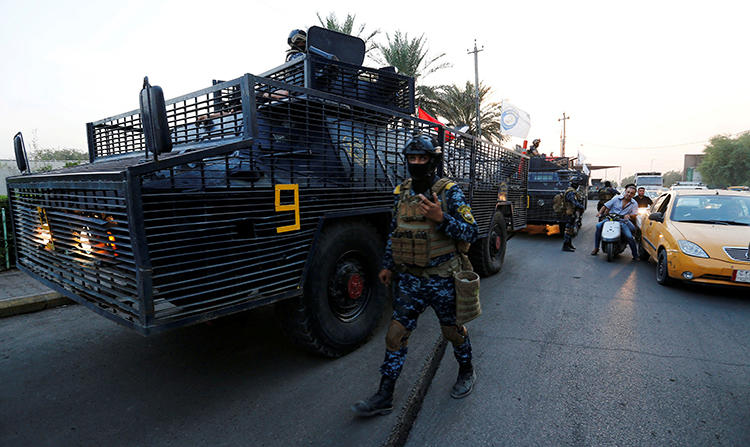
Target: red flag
[{"x": 421, "y": 114}]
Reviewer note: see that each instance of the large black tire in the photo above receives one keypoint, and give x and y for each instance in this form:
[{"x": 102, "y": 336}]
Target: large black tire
[
  {"x": 343, "y": 300},
  {"x": 488, "y": 253},
  {"x": 610, "y": 249},
  {"x": 662, "y": 269}
]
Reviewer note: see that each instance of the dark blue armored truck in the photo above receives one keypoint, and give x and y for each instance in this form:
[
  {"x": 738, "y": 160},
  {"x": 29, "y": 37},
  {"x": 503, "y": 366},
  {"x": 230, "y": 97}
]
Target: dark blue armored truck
[
  {"x": 549, "y": 176},
  {"x": 273, "y": 189}
]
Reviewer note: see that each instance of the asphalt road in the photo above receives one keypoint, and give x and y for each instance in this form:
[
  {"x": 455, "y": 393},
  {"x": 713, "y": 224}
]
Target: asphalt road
[
  {"x": 69, "y": 377},
  {"x": 570, "y": 350}
]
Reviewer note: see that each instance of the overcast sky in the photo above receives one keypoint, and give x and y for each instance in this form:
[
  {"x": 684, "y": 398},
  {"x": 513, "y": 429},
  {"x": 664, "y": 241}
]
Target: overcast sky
[{"x": 644, "y": 82}]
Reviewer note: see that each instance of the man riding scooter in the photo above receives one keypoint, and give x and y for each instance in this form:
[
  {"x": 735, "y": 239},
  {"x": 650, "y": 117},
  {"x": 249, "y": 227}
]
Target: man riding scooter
[{"x": 624, "y": 206}]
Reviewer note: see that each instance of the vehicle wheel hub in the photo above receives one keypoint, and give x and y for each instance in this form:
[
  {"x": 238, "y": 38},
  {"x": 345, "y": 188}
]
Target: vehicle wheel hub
[
  {"x": 355, "y": 286},
  {"x": 348, "y": 292}
]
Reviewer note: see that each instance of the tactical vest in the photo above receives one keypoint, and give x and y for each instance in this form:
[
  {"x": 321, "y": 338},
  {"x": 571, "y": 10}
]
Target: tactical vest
[
  {"x": 416, "y": 239},
  {"x": 569, "y": 207},
  {"x": 606, "y": 194}
]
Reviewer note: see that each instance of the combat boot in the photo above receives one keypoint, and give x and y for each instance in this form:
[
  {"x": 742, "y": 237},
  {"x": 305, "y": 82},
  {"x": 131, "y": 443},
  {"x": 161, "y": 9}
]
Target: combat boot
[
  {"x": 567, "y": 244},
  {"x": 464, "y": 382},
  {"x": 380, "y": 403}
]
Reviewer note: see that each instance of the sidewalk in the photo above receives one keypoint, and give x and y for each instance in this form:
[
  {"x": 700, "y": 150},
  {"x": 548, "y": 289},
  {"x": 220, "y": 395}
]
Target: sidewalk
[{"x": 19, "y": 293}]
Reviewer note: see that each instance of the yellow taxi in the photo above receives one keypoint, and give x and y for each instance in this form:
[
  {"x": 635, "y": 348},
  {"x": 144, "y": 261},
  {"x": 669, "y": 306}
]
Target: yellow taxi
[{"x": 699, "y": 236}]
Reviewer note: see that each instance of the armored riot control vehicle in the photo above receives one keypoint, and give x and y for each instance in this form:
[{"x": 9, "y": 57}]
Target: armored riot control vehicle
[
  {"x": 272, "y": 189},
  {"x": 549, "y": 176}
]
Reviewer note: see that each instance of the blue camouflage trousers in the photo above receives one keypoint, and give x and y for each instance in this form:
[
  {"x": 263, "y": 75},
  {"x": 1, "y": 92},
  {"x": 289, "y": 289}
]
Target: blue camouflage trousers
[
  {"x": 413, "y": 295},
  {"x": 570, "y": 225}
]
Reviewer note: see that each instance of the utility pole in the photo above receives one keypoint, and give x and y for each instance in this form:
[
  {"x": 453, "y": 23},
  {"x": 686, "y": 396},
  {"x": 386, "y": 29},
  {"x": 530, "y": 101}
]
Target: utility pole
[
  {"x": 476, "y": 84},
  {"x": 477, "y": 139},
  {"x": 562, "y": 140}
]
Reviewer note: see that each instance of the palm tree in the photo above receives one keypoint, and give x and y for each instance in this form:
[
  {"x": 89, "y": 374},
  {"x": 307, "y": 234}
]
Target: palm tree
[
  {"x": 409, "y": 56},
  {"x": 332, "y": 23},
  {"x": 458, "y": 107}
]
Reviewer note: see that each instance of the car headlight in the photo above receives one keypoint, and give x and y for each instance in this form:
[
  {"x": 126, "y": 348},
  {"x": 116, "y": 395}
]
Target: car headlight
[{"x": 692, "y": 249}]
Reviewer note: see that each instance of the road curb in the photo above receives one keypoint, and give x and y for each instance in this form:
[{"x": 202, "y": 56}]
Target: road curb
[
  {"x": 32, "y": 303},
  {"x": 410, "y": 410}
]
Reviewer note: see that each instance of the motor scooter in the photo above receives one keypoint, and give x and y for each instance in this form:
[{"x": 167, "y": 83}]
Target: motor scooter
[{"x": 613, "y": 241}]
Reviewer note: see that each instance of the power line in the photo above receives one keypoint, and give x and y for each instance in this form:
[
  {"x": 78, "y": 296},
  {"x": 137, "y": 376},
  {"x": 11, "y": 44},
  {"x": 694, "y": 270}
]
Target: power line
[
  {"x": 660, "y": 147},
  {"x": 643, "y": 147}
]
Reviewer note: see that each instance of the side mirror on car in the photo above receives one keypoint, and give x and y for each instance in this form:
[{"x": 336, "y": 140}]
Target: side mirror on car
[{"x": 656, "y": 217}]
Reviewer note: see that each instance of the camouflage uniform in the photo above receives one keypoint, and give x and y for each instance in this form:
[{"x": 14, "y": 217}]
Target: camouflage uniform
[
  {"x": 572, "y": 204},
  {"x": 415, "y": 292}
]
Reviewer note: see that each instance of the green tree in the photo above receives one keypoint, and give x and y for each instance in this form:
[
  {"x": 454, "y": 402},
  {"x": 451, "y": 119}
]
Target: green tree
[
  {"x": 331, "y": 22},
  {"x": 457, "y": 107},
  {"x": 50, "y": 154},
  {"x": 669, "y": 178},
  {"x": 410, "y": 56},
  {"x": 726, "y": 161},
  {"x": 626, "y": 180}
]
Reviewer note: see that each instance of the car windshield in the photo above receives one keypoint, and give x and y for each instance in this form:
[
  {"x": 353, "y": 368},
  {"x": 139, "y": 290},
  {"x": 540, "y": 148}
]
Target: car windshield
[
  {"x": 724, "y": 210},
  {"x": 649, "y": 181}
]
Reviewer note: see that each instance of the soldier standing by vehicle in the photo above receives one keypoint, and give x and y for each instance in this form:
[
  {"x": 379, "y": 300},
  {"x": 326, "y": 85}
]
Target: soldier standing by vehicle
[
  {"x": 297, "y": 41},
  {"x": 534, "y": 148},
  {"x": 606, "y": 194},
  {"x": 432, "y": 222},
  {"x": 572, "y": 206}
]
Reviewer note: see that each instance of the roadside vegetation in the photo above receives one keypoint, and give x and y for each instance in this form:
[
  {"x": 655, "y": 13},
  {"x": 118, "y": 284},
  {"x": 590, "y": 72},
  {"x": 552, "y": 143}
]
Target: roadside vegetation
[
  {"x": 727, "y": 161},
  {"x": 453, "y": 104}
]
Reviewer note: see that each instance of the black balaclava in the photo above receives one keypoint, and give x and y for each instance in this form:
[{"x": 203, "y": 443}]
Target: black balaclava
[{"x": 423, "y": 176}]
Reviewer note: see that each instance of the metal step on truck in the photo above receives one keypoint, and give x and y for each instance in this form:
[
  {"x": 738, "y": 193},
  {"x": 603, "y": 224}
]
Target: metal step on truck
[{"x": 272, "y": 189}]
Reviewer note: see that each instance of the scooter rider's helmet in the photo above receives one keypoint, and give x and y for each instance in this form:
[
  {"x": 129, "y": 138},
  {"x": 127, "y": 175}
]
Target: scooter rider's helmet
[{"x": 297, "y": 39}]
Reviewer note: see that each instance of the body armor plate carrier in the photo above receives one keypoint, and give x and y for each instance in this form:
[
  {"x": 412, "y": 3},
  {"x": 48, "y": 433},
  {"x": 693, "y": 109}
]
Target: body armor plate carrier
[{"x": 416, "y": 239}]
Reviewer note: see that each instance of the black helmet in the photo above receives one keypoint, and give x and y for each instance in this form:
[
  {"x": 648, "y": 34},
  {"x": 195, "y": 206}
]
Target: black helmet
[
  {"x": 295, "y": 36},
  {"x": 422, "y": 144},
  {"x": 536, "y": 142},
  {"x": 576, "y": 180},
  {"x": 422, "y": 174}
]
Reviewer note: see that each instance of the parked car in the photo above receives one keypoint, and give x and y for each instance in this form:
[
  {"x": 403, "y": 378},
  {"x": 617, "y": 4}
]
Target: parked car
[
  {"x": 699, "y": 236},
  {"x": 688, "y": 185},
  {"x": 738, "y": 188}
]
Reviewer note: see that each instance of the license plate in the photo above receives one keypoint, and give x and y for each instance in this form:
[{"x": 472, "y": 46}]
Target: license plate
[{"x": 742, "y": 276}]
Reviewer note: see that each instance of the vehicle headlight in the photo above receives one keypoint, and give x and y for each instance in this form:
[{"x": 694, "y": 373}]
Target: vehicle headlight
[
  {"x": 692, "y": 249},
  {"x": 84, "y": 239}
]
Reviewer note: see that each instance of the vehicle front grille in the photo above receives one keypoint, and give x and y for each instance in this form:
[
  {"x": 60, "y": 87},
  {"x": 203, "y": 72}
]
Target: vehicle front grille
[
  {"x": 77, "y": 239},
  {"x": 738, "y": 253},
  {"x": 716, "y": 277},
  {"x": 540, "y": 208}
]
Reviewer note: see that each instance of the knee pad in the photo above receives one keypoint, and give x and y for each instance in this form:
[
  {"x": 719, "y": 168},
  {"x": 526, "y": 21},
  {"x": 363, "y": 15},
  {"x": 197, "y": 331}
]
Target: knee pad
[
  {"x": 397, "y": 336},
  {"x": 454, "y": 334}
]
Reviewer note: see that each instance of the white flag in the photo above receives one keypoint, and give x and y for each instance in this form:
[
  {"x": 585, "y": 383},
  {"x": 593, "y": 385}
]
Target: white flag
[{"x": 515, "y": 122}]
